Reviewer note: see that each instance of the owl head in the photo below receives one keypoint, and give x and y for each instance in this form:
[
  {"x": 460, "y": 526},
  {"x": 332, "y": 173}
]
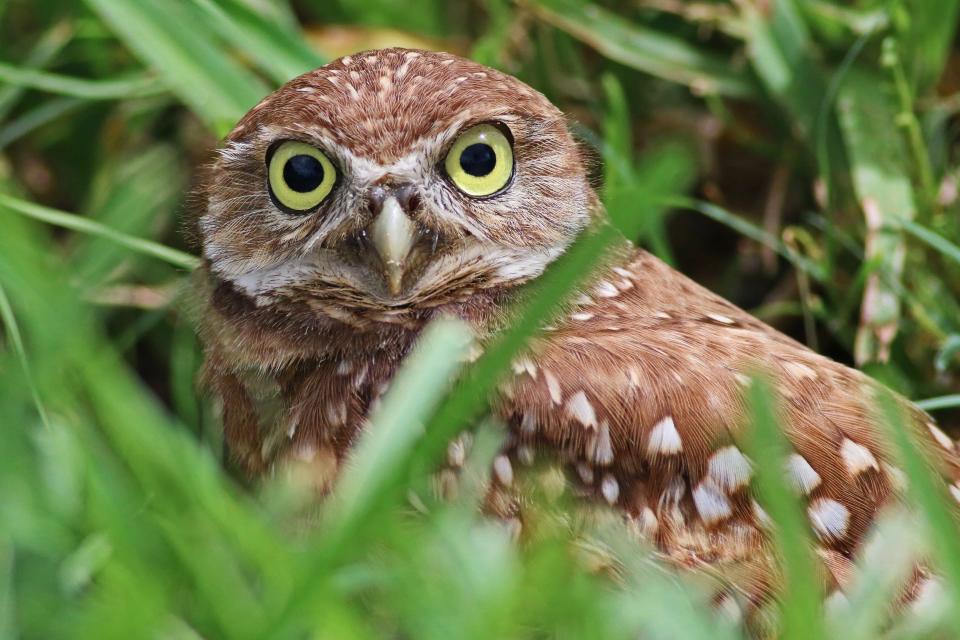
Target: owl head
[{"x": 390, "y": 182}]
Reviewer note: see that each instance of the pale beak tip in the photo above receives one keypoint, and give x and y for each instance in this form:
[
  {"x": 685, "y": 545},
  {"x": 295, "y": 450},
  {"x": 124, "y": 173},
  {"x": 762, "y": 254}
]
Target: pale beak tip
[
  {"x": 393, "y": 237},
  {"x": 395, "y": 279}
]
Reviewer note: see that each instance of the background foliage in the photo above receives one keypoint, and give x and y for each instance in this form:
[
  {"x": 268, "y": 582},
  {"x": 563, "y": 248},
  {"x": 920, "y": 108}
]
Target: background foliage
[{"x": 798, "y": 157}]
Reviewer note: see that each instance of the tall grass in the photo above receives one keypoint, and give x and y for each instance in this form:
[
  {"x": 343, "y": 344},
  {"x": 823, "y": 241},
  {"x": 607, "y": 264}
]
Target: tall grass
[{"x": 799, "y": 157}]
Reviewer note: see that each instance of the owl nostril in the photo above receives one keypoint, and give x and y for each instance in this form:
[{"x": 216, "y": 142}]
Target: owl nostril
[
  {"x": 408, "y": 197},
  {"x": 375, "y": 199}
]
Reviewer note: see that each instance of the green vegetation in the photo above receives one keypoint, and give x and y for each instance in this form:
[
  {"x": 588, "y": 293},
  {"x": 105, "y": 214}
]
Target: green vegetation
[{"x": 797, "y": 156}]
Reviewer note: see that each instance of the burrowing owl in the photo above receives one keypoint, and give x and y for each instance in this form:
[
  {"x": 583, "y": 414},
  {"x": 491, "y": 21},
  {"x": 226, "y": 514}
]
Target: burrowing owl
[{"x": 365, "y": 198}]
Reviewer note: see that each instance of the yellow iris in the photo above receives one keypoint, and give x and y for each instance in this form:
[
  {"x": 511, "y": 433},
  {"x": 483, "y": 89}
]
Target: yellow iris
[
  {"x": 300, "y": 175},
  {"x": 481, "y": 161}
]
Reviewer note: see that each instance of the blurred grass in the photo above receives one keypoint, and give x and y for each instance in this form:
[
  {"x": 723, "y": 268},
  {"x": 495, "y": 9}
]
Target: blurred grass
[{"x": 743, "y": 141}]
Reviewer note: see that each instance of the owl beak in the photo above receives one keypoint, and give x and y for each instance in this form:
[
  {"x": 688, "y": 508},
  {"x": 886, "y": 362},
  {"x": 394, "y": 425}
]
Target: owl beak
[{"x": 393, "y": 235}]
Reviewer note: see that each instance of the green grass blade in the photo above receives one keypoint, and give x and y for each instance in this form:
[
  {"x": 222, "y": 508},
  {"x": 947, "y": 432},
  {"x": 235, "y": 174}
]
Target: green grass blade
[
  {"x": 752, "y": 231},
  {"x": 781, "y": 52},
  {"x": 8, "y": 621},
  {"x": 885, "y": 562},
  {"x": 936, "y": 241},
  {"x": 85, "y": 225},
  {"x": 927, "y": 36},
  {"x": 651, "y": 51},
  {"x": 868, "y": 117},
  {"x": 620, "y": 180},
  {"x": 136, "y": 194},
  {"x": 949, "y": 350},
  {"x": 47, "y": 48},
  {"x": 173, "y": 38},
  {"x": 275, "y": 47},
  {"x": 12, "y": 331},
  {"x": 802, "y": 615},
  {"x": 33, "y": 119},
  {"x": 414, "y": 394},
  {"x": 136, "y": 86},
  {"x": 928, "y": 492},
  {"x": 942, "y": 402}
]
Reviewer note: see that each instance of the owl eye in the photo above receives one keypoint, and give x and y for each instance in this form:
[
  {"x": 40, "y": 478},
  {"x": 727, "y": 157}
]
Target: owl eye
[
  {"x": 300, "y": 176},
  {"x": 480, "y": 163}
]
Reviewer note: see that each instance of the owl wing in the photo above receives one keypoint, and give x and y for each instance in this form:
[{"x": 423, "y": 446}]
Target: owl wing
[{"x": 641, "y": 390}]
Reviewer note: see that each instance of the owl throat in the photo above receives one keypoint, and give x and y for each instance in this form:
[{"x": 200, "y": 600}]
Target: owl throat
[{"x": 298, "y": 377}]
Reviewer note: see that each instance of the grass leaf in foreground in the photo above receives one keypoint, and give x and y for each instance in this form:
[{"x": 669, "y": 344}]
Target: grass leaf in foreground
[
  {"x": 801, "y": 610},
  {"x": 397, "y": 424},
  {"x": 927, "y": 491}
]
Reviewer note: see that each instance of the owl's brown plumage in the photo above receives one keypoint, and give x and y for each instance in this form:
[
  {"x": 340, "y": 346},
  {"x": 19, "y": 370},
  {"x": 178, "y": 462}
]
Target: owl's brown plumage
[{"x": 638, "y": 391}]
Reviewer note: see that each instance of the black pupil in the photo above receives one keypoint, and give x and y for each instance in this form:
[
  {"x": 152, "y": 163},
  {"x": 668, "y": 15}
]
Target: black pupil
[
  {"x": 303, "y": 173},
  {"x": 478, "y": 159}
]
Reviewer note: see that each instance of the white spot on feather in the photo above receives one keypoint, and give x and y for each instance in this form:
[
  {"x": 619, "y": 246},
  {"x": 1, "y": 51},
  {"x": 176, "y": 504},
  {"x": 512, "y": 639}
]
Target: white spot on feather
[
  {"x": 742, "y": 380},
  {"x": 728, "y": 607},
  {"x": 524, "y": 364},
  {"x": 837, "y": 604},
  {"x": 729, "y": 468},
  {"x": 955, "y": 491},
  {"x": 605, "y": 289},
  {"x": 582, "y": 316},
  {"x": 528, "y": 424},
  {"x": 503, "y": 470},
  {"x": 633, "y": 377},
  {"x": 896, "y": 477},
  {"x": 525, "y": 454},
  {"x": 648, "y": 522},
  {"x": 553, "y": 387},
  {"x": 456, "y": 453},
  {"x": 604, "y": 450},
  {"x": 610, "y": 489},
  {"x": 712, "y": 504},
  {"x": 857, "y": 457},
  {"x": 929, "y": 599},
  {"x": 716, "y": 317},
  {"x": 799, "y": 370},
  {"x": 664, "y": 438},
  {"x": 829, "y": 518},
  {"x": 942, "y": 439},
  {"x": 580, "y": 409},
  {"x": 336, "y": 413},
  {"x": 804, "y": 477},
  {"x": 585, "y": 471},
  {"x": 763, "y": 518}
]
